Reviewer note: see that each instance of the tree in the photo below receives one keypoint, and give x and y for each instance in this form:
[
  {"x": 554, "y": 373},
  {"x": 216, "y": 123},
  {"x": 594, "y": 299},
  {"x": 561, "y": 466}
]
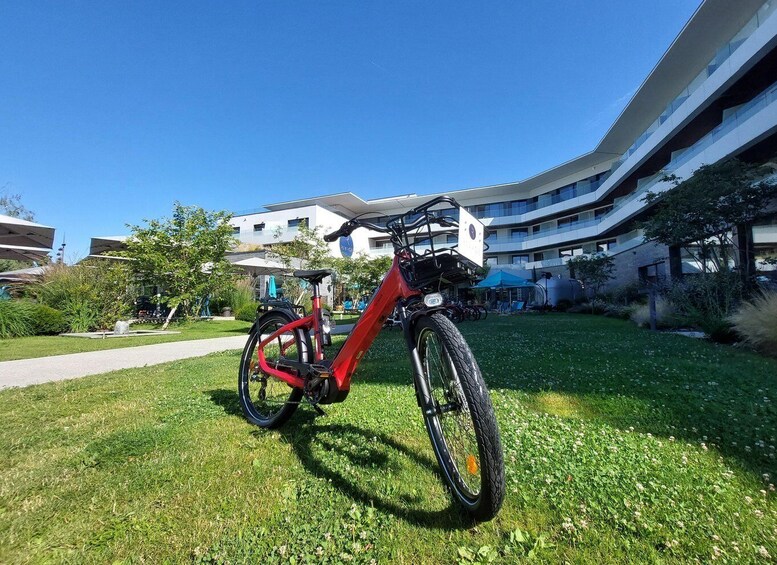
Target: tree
[
  {"x": 185, "y": 255},
  {"x": 308, "y": 248},
  {"x": 594, "y": 270},
  {"x": 699, "y": 213},
  {"x": 362, "y": 274},
  {"x": 11, "y": 205}
]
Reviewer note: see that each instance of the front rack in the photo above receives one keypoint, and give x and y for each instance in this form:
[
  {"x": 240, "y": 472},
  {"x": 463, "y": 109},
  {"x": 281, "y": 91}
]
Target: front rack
[{"x": 435, "y": 265}]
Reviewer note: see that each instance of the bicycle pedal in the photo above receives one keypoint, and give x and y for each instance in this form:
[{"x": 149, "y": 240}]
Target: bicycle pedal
[{"x": 321, "y": 371}]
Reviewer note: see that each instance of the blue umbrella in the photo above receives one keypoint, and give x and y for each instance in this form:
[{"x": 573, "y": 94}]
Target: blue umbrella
[
  {"x": 501, "y": 279},
  {"x": 272, "y": 290}
]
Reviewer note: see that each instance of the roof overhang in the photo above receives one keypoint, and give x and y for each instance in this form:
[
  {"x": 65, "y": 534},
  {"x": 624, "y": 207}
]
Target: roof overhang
[{"x": 715, "y": 21}]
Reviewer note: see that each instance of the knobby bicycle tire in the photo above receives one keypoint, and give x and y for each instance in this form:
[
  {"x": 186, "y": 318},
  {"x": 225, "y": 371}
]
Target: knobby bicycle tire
[
  {"x": 463, "y": 429},
  {"x": 257, "y": 409}
]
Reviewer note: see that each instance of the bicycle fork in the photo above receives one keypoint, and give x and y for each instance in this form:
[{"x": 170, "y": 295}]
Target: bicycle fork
[{"x": 422, "y": 393}]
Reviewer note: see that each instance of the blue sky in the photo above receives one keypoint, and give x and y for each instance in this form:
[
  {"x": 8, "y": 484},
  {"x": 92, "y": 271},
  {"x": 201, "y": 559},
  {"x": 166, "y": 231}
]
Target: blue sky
[{"x": 111, "y": 111}]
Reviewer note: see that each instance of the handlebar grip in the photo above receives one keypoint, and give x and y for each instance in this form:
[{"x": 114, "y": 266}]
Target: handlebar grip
[{"x": 330, "y": 237}]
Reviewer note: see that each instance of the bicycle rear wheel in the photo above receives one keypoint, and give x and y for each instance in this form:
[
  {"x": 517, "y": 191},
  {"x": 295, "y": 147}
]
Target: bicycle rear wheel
[
  {"x": 462, "y": 427},
  {"x": 266, "y": 400}
]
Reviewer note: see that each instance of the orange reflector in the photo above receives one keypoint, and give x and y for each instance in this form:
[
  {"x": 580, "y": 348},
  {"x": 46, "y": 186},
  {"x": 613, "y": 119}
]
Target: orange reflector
[{"x": 472, "y": 465}]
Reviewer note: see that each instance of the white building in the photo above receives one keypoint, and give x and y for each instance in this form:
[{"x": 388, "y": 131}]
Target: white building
[{"x": 713, "y": 95}]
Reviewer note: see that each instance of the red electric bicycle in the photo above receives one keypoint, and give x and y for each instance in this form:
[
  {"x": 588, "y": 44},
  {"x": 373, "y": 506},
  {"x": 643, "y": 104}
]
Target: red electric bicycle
[{"x": 282, "y": 366}]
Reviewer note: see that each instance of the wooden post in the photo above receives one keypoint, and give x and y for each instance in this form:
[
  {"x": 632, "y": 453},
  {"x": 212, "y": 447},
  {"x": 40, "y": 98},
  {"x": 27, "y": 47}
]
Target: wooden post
[{"x": 652, "y": 302}]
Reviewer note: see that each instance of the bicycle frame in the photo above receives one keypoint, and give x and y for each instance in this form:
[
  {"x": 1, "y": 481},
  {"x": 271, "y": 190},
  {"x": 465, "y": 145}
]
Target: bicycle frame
[{"x": 393, "y": 289}]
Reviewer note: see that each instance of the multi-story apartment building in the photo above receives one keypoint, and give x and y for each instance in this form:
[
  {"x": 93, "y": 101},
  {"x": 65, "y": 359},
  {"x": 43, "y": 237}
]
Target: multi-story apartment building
[{"x": 713, "y": 95}]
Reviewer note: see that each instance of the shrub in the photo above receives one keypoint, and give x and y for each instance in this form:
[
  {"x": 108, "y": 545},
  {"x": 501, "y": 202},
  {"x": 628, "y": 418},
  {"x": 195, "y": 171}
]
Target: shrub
[
  {"x": 80, "y": 314},
  {"x": 563, "y": 305},
  {"x": 594, "y": 307},
  {"x": 665, "y": 314},
  {"x": 626, "y": 294},
  {"x": 707, "y": 301},
  {"x": 235, "y": 296},
  {"x": 247, "y": 312},
  {"x": 617, "y": 311},
  {"x": 47, "y": 320},
  {"x": 91, "y": 294},
  {"x": 15, "y": 319},
  {"x": 756, "y": 322}
]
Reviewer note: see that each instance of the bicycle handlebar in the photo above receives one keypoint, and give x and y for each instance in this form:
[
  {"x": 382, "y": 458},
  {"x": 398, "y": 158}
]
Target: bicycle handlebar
[{"x": 445, "y": 221}]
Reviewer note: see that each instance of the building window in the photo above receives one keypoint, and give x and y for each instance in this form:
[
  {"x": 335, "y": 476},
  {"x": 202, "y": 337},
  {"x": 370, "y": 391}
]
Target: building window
[
  {"x": 496, "y": 210},
  {"x": 537, "y": 228},
  {"x": 605, "y": 245},
  {"x": 491, "y": 261},
  {"x": 259, "y": 227},
  {"x": 236, "y": 230},
  {"x": 518, "y": 207},
  {"x": 520, "y": 259},
  {"x": 570, "y": 252},
  {"x": 517, "y": 234},
  {"x": 602, "y": 212},
  {"x": 568, "y": 221},
  {"x": 452, "y": 238},
  {"x": 297, "y": 222},
  {"x": 566, "y": 192},
  {"x": 539, "y": 256}
]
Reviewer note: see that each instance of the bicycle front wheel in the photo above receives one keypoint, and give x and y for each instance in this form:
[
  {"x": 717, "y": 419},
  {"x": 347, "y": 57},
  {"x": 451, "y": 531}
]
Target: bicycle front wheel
[{"x": 462, "y": 425}]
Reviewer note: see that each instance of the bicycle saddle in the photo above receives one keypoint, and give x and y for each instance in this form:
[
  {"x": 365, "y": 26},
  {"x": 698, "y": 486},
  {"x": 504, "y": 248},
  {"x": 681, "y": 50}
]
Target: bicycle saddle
[{"x": 315, "y": 276}]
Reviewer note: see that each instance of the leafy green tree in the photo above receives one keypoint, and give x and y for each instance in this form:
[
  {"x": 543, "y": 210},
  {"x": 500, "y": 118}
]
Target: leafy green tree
[
  {"x": 308, "y": 246},
  {"x": 700, "y": 212},
  {"x": 184, "y": 254},
  {"x": 307, "y": 250},
  {"x": 593, "y": 270},
  {"x": 362, "y": 274}
]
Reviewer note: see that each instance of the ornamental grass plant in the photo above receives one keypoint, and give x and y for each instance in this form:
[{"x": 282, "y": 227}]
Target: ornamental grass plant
[
  {"x": 15, "y": 319},
  {"x": 756, "y": 323}
]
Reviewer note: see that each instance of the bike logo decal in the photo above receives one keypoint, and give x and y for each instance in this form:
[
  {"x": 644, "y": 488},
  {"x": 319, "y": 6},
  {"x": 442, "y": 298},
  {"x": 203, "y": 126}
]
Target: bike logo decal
[{"x": 472, "y": 232}]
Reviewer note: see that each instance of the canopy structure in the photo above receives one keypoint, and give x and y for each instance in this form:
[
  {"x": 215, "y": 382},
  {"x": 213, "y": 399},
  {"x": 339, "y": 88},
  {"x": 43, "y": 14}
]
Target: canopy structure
[
  {"x": 23, "y": 240},
  {"x": 259, "y": 266},
  {"x": 107, "y": 245},
  {"x": 22, "y": 275},
  {"x": 501, "y": 279}
]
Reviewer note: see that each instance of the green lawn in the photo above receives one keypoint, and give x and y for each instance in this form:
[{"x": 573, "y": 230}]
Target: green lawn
[
  {"x": 46, "y": 345},
  {"x": 621, "y": 446},
  {"x": 345, "y": 319}
]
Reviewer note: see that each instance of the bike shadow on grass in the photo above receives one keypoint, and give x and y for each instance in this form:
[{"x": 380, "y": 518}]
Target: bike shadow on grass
[{"x": 317, "y": 444}]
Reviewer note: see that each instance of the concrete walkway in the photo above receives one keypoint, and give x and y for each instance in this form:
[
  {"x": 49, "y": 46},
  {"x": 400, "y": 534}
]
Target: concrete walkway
[{"x": 26, "y": 372}]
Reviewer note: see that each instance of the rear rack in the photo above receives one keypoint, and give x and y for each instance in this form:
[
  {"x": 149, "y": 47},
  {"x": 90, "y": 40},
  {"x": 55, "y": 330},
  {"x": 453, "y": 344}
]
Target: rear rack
[{"x": 267, "y": 304}]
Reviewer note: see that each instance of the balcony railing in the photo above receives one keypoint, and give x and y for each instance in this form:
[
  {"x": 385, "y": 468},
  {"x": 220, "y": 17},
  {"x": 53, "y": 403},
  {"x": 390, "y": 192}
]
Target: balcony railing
[{"x": 720, "y": 57}]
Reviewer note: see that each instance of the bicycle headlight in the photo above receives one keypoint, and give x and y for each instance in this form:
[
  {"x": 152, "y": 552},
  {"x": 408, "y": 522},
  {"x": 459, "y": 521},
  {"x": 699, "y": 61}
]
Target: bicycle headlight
[
  {"x": 326, "y": 325},
  {"x": 433, "y": 299}
]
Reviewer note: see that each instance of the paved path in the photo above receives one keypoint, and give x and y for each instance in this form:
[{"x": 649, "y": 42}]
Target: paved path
[{"x": 26, "y": 372}]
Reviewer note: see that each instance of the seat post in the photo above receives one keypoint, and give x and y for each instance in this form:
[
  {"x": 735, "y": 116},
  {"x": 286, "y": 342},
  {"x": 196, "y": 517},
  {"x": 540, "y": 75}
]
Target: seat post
[{"x": 317, "y": 330}]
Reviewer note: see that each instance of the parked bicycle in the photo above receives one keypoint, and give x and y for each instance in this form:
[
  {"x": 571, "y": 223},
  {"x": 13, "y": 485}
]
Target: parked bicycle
[
  {"x": 458, "y": 312},
  {"x": 282, "y": 366}
]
